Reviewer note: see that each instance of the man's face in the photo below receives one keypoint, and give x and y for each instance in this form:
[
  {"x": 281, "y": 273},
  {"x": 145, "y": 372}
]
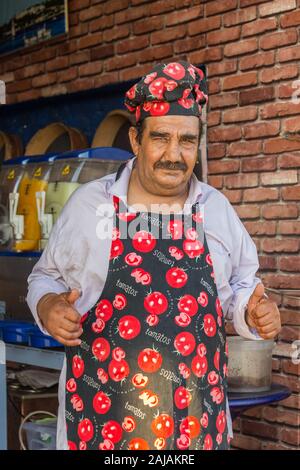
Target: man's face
[{"x": 167, "y": 153}]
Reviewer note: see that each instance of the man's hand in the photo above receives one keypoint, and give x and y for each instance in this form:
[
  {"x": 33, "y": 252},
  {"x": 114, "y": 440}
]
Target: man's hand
[
  {"x": 263, "y": 314},
  {"x": 60, "y": 318}
]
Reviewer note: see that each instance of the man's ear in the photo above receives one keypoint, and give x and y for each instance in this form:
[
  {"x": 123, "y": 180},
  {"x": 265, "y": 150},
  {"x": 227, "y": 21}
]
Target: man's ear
[{"x": 132, "y": 133}]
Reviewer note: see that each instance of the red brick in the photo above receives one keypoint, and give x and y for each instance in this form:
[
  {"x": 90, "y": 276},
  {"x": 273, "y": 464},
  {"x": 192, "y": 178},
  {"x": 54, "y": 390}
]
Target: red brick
[
  {"x": 281, "y": 145},
  {"x": 54, "y": 90},
  {"x": 261, "y": 194},
  {"x": 214, "y": 118},
  {"x": 168, "y": 34},
  {"x": 292, "y": 382},
  {"x": 18, "y": 86},
  {"x": 159, "y": 7},
  {"x": 267, "y": 263},
  {"x": 290, "y": 264},
  {"x": 214, "y": 86},
  {"x": 275, "y": 245},
  {"x": 76, "y": 5},
  {"x": 291, "y": 194},
  {"x": 223, "y": 100},
  {"x": 240, "y": 149},
  {"x": 204, "y": 56},
  {"x": 279, "y": 73},
  {"x": 290, "y": 333},
  {"x": 135, "y": 72},
  {"x": 155, "y": 53},
  {"x": 279, "y": 178},
  {"x": 259, "y": 27},
  {"x": 43, "y": 55},
  {"x": 99, "y": 24},
  {"x": 90, "y": 13},
  {"x": 261, "y": 129},
  {"x": 183, "y": 16},
  {"x": 285, "y": 38},
  {"x": 90, "y": 40},
  {"x": 190, "y": 44},
  {"x": 276, "y": 6},
  {"x": 91, "y": 68},
  {"x": 291, "y": 317},
  {"x": 289, "y": 161},
  {"x": 234, "y": 196},
  {"x": 226, "y": 35},
  {"x": 132, "y": 44},
  {"x": 204, "y": 25},
  {"x": 290, "y": 19},
  {"x": 289, "y": 228},
  {"x": 259, "y": 164},
  {"x": 152, "y": 24},
  {"x": 293, "y": 401},
  {"x": 281, "y": 416},
  {"x": 131, "y": 14},
  {"x": 44, "y": 80},
  {"x": 225, "y": 134},
  {"x": 247, "y": 3},
  {"x": 57, "y": 64},
  {"x": 255, "y": 428},
  {"x": 216, "y": 181},
  {"x": 67, "y": 75},
  {"x": 246, "y": 442},
  {"x": 269, "y": 111},
  {"x": 260, "y": 228},
  {"x": 292, "y": 125},
  {"x": 116, "y": 5},
  {"x": 215, "y": 167},
  {"x": 222, "y": 68},
  {"x": 257, "y": 61},
  {"x": 240, "y": 81},
  {"x": 248, "y": 113},
  {"x": 28, "y": 95},
  {"x": 289, "y": 54},
  {"x": 241, "y": 181},
  {"x": 106, "y": 79},
  {"x": 213, "y": 8},
  {"x": 116, "y": 33},
  {"x": 257, "y": 95},
  {"x": 82, "y": 84},
  {"x": 290, "y": 436},
  {"x": 280, "y": 211},
  {"x": 102, "y": 52},
  {"x": 241, "y": 47},
  {"x": 249, "y": 211},
  {"x": 240, "y": 16},
  {"x": 31, "y": 70},
  {"x": 216, "y": 151}
]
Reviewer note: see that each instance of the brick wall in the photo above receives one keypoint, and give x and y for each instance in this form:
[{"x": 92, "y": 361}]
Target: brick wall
[{"x": 252, "y": 51}]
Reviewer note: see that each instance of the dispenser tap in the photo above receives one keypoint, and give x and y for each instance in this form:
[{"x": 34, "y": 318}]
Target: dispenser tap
[
  {"x": 16, "y": 220},
  {"x": 45, "y": 220}
]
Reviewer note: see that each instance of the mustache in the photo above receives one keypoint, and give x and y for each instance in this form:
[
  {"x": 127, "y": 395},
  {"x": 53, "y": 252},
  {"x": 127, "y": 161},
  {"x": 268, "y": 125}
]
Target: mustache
[{"x": 170, "y": 166}]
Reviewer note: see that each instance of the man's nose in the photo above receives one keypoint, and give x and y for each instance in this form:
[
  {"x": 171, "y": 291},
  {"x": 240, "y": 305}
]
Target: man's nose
[{"x": 173, "y": 152}]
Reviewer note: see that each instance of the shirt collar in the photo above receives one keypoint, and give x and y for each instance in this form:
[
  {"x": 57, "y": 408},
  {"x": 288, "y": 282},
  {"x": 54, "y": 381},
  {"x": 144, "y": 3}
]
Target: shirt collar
[{"x": 119, "y": 188}]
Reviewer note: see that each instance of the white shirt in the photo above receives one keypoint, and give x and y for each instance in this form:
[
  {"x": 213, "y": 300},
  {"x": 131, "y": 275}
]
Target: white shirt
[{"x": 75, "y": 257}]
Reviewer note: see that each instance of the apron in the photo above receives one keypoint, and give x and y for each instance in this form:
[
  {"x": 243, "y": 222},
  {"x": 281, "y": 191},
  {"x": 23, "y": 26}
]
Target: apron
[{"x": 151, "y": 369}]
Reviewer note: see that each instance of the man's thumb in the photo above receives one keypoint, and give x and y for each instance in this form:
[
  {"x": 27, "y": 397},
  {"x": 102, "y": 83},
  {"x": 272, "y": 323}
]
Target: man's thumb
[
  {"x": 256, "y": 296},
  {"x": 73, "y": 296}
]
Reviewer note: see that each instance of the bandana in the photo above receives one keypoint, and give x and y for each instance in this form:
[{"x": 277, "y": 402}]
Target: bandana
[{"x": 176, "y": 88}]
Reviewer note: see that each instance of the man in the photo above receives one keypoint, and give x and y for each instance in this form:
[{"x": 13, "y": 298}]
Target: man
[{"x": 141, "y": 311}]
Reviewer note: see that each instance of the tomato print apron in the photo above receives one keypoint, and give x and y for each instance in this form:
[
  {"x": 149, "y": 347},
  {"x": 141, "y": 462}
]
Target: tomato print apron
[{"x": 151, "y": 370}]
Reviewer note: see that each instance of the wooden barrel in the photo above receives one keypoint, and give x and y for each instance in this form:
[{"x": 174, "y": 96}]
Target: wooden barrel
[
  {"x": 10, "y": 146},
  {"x": 113, "y": 131},
  {"x": 56, "y": 138}
]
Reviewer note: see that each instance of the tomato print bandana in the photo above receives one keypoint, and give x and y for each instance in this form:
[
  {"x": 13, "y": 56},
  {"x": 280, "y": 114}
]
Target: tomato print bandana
[{"x": 176, "y": 88}]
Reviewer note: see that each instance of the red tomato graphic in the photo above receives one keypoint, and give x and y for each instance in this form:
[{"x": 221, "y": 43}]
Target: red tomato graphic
[
  {"x": 116, "y": 249},
  {"x": 221, "y": 422},
  {"x": 208, "y": 442},
  {"x": 131, "y": 92},
  {"x": 118, "y": 370},
  {"x": 186, "y": 102},
  {"x": 190, "y": 426},
  {"x": 184, "y": 370},
  {"x": 159, "y": 108},
  {"x": 112, "y": 431},
  {"x": 115, "y": 233},
  {"x": 183, "y": 442},
  {"x": 126, "y": 216},
  {"x": 101, "y": 349},
  {"x": 188, "y": 304},
  {"x": 219, "y": 438},
  {"x": 84, "y": 317},
  {"x": 152, "y": 320},
  {"x": 129, "y": 424},
  {"x": 85, "y": 430},
  {"x": 197, "y": 217},
  {"x": 182, "y": 397},
  {"x": 204, "y": 420},
  {"x": 149, "y": 398},
  {"x": 208, "y": 259},
  {"x": 176, "y": 277},
  {"x": 163, "y": 425},
  {"x": 176, "y": 252},
  {"x": 174, "y": 70},
  {"x": 191, "y": 234},
  {"x": 183, "y": 319},
  {"x": 71, "y": 386},
  {"x": 106, "y": 445},
  {"x": 141, "y": 276},
  {"x": 102, "y": 375},
  {"x": 77, "y": 366},
  {"x": 156, "y": 303},
  {"x": 132, "y": 259},
  {"x": 217, "y": 360},
  {"x": 149, "y": 360},
  {"x": 150, "y": 77},
  {"x": 199, "y": 366},
  {"x": 203, "y": 299},
  {"x": 129, "y": 327},
  {"x": 138, "y": 444},
  {"x": 77, "y": 402},
  {"x": 210, "y": 326},
  {"x": 201, "y": 350},
  {"x": 120, "y": 301},
  {"x": 143, "y": 241},
  {"x": 98, "y": 326},
  {"x": 175, "y": 228},
  {"x": 104, "y": 310},
  {"x": 72, "y": 445},
  {"x": 118, "y": 354},
  {"x": 101, "y": 403},
  {"x": 217, "y": 395},
  {"x": 213, "y": 378},
  {"x": 185, "y": 343},
  {"x": 82, "y": 445},
  {"x": 139, "y": 380},
  {"x": 160, "y": 443},
  {"x": 193, "y": 248},
  {"x": 219, "y": 308},
  {"x": 157, "y": 87}
]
